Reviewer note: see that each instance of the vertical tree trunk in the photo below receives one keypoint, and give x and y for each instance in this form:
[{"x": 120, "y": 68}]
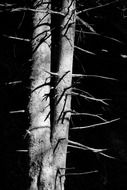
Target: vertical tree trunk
[
  {"x": 48, "y": 141},
  {"x": 62, "y": 52},
  {"x": 40, "y": 152}
]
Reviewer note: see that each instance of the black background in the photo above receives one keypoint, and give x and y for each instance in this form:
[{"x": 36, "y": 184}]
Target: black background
[{"x": 110, "y": 60}]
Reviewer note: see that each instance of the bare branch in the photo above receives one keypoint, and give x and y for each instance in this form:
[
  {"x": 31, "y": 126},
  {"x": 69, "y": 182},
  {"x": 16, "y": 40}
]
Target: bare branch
[
  {"x": 86, "y": 147},
  {"x": 83, "y": 75},
  {"x": 21, "y": 150},
  {"x": 82, "y": 173},
  {"x": 17, "y": 111},
  {"x": 90, "y": 98},
  {"x": 51, "y": 73},
  {"x": 16, "y": 38},
  {"x": 84, "y": 50},
  {"x": 36, "y": 10},
  {"x": 83, "y": 92},
  {"x": 94, "y": 76},
  {"x": 77, "y": 147},
  {"x": 28, "y": 132},
  {"x": 40, "y": 86},
  {"x": 98, "y": 151},
  {"x": 86, "y": 24},
  {"x": 88, "y": 114},
  {"x": 13, "y": 82},
  {"x": 107, "y": 156},
  {"x": 97, "y": 124}
]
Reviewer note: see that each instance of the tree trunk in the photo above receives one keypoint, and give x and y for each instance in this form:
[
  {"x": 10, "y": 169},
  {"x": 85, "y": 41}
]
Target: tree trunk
[
  {"x": 49, "y": 137},
  {"x": 62, "y": 63}
]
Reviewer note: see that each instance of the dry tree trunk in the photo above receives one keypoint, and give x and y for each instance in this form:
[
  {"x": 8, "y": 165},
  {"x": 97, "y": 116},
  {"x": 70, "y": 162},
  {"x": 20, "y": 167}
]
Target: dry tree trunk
[
  {"x": 40, "y": 151},
  {"x": 63, "y": 50},
  {"x": 48, "y": 141}
]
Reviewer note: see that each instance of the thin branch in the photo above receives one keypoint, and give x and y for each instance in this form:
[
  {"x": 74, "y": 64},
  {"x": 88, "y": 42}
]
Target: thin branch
[
  {"x": 21, "y": 150},
  {"x": 86, "y": 147},
  {"x": 40, "y": 86},
  {"x": 28, "y": 131},
  {"x": 13, "y": 82},
  {"x": 97, "y": 124},
  {"x": 84, "y": 50},
  {"x": 108, "y": 156},
  {"x": 76, "y": 147},
  {"x": 98, "y": 152},
  {"x": 82, "y": 173},
  {"x": 62, "y": 95},
  {"x": 17, "y": 111},
  {"x": 97, "y": 7},
  {"x": 83, "y": 75},
  {"x": 16, "y": 38},
  {"x": 86, "y": 24},
  {"x": 94, "y": 76},
  {"x": 51, "y": 73},
  {"x": 36, "y": 10},
  {"x": 61, "y": 78},
  {"x": 83, "y": 92},
  {"x": 88, "y": 114},
  {"x": 90, "y": 98},
  {"x": 62, "y": 114}
]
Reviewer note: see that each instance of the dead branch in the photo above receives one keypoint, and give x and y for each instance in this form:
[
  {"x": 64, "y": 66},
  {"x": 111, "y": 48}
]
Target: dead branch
[
  {"x": 13, "y": 82},
  {"x": 86, "y": 147},
  {"x": 85, "y": 24},
  {"x": 82, "y": 173},
  {"x": 36, "y": 10},
  {"x": 84, "y": 75},
  {"x": 90, "y": 98},
  {"x": 107, "y": 156},
  {"x": 21, "y": 150},
  {"x": 17, "y": 111},
  {"x": 16, "y": 38},
  {"x": 84, "y": 50},
  {"x": 94, "y": 76},
  {"x": 77, "y": 147},
  {"x": 88, "y": 114},
  {"x": 97, "y": 124}
]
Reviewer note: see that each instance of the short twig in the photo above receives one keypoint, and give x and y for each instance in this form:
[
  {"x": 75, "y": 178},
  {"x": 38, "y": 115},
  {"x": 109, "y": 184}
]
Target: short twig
[
  {"x": 17, "y": 111},
  {"x": 82, "y": 173},
  {"x": 16, "y": 38},
  {"x": 84, "y": 50}
]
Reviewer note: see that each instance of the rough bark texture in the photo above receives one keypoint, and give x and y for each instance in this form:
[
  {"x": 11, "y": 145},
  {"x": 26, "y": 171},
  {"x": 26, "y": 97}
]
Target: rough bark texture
[
  {"x": 62, "y": 92},
  {"x": 40, "y": 151},
  {"x": 48, "y": 142}
]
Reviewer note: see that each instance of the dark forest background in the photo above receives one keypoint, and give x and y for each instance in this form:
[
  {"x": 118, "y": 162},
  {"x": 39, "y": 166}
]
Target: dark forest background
[{"x": 105, "y": 55}]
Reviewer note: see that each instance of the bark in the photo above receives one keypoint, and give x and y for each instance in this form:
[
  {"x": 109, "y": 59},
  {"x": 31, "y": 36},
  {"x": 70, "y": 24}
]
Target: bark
[
  {"x": 40, "y": 152},
  {"x": 63, "y": 49},
  {"x": 49, "y": 137}
]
